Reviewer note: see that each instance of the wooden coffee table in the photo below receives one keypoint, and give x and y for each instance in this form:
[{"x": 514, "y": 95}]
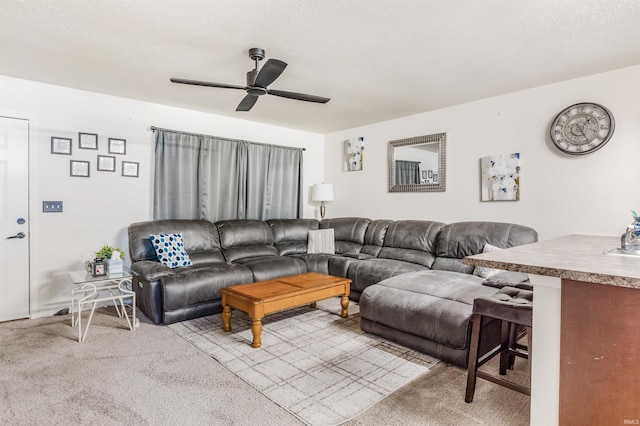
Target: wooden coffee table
[{"x": 265, "y": 297}]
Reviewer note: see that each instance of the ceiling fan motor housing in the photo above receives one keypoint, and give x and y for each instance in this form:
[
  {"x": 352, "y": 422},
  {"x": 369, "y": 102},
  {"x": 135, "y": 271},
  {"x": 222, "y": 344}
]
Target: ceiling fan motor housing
[{"x": 256, "y": 54}]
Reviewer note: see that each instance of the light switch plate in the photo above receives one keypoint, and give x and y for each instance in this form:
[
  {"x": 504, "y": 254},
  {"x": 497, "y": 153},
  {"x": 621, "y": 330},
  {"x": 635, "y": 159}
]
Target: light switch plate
[{"x": 52, "y": 206}]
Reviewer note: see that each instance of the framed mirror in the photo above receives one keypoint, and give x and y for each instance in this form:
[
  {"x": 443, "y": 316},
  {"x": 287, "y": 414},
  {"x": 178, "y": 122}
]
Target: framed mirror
[{"x": 418, "y": 164}]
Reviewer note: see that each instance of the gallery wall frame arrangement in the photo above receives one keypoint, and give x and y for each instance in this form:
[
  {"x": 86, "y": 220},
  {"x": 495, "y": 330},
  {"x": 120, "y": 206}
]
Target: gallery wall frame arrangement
[
  {"x": 117, "y": 146},
  {"x": 60, "y": 145},
  {"x": 130, "y": 168},
  {"x": 87, "y": 141},
  {"x": 79, "y": 168},
  {"x": 106, "y": 163},
  {"x": 500, "y": 177}
]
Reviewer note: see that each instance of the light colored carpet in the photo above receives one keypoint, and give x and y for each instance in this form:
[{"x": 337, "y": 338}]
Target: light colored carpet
[
  {"x": 154, "y": 377},
  {"x": 322, "y": 368}
]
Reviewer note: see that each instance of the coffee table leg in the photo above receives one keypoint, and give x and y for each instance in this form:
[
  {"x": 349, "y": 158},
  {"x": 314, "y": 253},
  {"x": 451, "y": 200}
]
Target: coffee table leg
[
  {"x": 226, "y": 318},
  {"x": 256, "y": 330},
  {"x": 312, "y": 305},
  {"x": 344, "y": 302}
]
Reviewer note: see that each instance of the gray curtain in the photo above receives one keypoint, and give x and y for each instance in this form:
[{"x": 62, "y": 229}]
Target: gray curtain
[
  {"x": 176, "y": 189},
  {"x": 205, "y": 177},
  {"x": 407, "y": 172}
]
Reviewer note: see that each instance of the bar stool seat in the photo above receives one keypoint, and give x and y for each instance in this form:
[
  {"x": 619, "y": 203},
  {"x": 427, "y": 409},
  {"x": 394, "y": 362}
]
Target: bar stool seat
[{"x": 513, "y": 306}]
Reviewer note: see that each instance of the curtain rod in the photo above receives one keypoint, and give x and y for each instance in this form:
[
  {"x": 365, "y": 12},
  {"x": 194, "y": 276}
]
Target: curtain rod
[{"x": 154, "y": 128}]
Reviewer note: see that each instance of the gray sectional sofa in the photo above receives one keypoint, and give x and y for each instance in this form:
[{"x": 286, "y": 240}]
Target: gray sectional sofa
[{"x": 407, "y": 275}]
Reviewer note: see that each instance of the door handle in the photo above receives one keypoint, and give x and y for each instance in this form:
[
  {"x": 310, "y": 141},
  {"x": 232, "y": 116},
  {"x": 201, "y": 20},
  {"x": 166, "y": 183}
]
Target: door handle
[{"x": 18, "y": 235}]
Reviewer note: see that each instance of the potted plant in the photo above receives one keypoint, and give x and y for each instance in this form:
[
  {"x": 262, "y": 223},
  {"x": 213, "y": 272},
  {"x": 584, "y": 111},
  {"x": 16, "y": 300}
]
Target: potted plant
[{"x": 113, "y": 257}]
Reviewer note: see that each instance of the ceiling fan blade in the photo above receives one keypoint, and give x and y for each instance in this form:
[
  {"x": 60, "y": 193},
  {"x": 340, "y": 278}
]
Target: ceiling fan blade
[
  {"x": 247, "y": 103},
  {"x": 269, "y": 72},
  {"x": 299, "y": 96},
  {"x": 206, "y": 84}
]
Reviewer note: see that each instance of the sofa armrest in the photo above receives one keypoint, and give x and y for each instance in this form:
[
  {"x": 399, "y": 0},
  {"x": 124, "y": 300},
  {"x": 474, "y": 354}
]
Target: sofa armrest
[{"x": 150, "y": 270}]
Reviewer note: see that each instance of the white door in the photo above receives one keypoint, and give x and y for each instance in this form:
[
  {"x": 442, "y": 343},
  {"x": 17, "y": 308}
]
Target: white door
[{"x": 14, "y": 218}]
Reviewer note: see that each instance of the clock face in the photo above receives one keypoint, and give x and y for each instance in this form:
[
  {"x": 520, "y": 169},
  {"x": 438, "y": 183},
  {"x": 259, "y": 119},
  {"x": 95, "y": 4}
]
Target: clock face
[{"x": 582, "y": 128}]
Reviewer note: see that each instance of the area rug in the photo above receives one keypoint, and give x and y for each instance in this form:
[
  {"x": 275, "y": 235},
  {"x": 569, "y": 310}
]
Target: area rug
[{"x": 320, "y": 367}]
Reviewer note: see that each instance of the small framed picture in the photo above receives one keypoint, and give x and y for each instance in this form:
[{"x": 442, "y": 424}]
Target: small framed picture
[
  {"x": 429, "y": 174},
  {"x": 117, "y": 146},
  {"x": 129, "y": 168},
  {"x": 424, "y": 174},
  {"x": 87, "y": 141},
  {"x": 106, "y": 163},
  {"x": 79, "y": 168},
  {"x": 435, "y": 178},
  {"x": 60, "y": 145}
]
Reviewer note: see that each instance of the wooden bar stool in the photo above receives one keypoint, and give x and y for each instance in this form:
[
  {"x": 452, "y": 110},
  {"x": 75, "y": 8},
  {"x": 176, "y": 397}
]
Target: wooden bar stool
[{"x": 513, "y": 306}]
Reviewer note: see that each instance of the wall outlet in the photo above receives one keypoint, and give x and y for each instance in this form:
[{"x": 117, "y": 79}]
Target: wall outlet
[{"x": 52, "y": 206}]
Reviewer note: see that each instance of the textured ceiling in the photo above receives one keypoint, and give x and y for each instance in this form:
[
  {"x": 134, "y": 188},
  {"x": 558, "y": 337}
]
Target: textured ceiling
[{"x": 377, "y": 60}]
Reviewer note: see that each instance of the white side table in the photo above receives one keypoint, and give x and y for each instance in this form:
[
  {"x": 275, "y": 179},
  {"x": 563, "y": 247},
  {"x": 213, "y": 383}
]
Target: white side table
[{"x": 88, "y": 289}]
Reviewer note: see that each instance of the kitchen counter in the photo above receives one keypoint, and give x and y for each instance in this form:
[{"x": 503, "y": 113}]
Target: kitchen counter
[
  {"x": 586, "y": 328},
  {"x": 574, "y": 257}
]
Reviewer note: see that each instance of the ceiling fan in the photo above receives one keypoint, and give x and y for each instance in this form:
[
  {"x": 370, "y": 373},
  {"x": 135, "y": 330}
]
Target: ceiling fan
[{"x": 257, "y": 82}]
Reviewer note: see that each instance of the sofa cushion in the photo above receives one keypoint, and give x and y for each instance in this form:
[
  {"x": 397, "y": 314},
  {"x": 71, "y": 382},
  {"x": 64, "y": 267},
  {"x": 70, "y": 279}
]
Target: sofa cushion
[
  {"x": 434, "y": 305},
  {"x": 349, "y": 232},
  {"x": 460, "y": 239},
  {"x": 198, "y": 235},
  {"x": 266, "y": 268},
  {"x": 198, "y": 286},
  {"x": 204, "y": 258},
  {"x": 374, "y": 237},
  {"x": 290, "y": 235},
  {"x": 235, "y": 254},
  {"x": 411, "y": 241},
  {"x": 241, "y": 239},
  {"x": 170, "y": 250},
  {"x": 451, "y": 264},
  {"x": 364, "y": 273},
  {"x": 235, "y": 233}
]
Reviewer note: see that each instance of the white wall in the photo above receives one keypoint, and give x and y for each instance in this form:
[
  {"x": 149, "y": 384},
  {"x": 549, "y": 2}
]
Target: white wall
[
  {"x": 98, "y": 210},
  {"x": 560, "y": 194}
]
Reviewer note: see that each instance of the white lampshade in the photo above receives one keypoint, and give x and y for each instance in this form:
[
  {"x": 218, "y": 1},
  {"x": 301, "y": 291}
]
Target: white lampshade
[{"x": 322, "y": 192}]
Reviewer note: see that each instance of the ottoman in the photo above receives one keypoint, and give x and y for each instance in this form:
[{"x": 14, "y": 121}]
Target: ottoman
[{"x": 429, "y": 311}]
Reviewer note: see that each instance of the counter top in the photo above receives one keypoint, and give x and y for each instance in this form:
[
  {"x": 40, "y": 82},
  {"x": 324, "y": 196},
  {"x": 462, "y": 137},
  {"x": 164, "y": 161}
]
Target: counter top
[{"x": 574, "y": 257}]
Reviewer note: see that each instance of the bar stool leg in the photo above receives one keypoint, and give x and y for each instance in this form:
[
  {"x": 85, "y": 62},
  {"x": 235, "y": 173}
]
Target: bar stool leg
[
  {"x": 529, "y": 347},
  {"x": 505, "y": 341},
  {"x": 473, "y": 357},
  {"x": 513, "y": 344}
]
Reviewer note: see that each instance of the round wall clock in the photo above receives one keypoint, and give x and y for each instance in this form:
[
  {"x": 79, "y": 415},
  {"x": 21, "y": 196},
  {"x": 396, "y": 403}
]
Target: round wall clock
[{"x": 582, "y": 128}]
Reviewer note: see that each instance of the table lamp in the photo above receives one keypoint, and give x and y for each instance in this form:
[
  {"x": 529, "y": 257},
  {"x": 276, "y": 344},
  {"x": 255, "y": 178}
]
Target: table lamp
[{"x": 322, "y": 192}]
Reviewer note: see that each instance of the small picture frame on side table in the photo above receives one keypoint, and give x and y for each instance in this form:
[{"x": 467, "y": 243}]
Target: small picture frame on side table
[
  {"x": 87, "y": 140},
  {"x": 130, "y": 169},
  {"x": 117, "y": 146},
  {"x": 106, "y": 163},
  {"x": 79, "y": 168},
  {"x": 60, "y": 145}
]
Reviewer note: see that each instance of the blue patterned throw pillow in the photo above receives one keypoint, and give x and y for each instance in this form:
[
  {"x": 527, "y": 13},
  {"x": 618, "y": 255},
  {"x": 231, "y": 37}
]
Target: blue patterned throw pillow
[{"x": 170, "y": 250}]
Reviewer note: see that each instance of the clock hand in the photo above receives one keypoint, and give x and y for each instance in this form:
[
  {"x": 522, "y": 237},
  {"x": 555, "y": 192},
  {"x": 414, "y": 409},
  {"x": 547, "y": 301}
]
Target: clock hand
[{"x": 583, "y": 134}]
